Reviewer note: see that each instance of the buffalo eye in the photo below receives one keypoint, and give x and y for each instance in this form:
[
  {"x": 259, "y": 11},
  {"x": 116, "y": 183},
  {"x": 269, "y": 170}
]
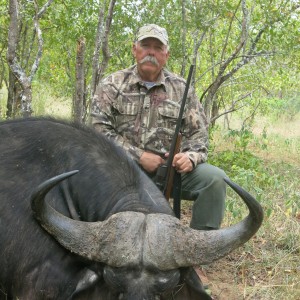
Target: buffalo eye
[{"x": 166, "y": 280}]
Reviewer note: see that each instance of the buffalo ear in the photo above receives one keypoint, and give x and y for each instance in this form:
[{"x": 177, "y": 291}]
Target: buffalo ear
[{"x": 194, "y": 283}]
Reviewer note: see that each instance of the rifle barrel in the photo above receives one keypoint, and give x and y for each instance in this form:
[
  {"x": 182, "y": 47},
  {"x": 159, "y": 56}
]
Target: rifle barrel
[{"x": 178, "y": 126}]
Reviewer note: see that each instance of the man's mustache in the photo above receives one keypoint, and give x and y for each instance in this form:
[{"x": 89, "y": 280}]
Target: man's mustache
[{"x": 150, "y": 59}]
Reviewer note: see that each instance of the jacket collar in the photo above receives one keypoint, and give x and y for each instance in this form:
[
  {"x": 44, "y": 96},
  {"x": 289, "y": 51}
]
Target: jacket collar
[{"x": 136, "y": 79}]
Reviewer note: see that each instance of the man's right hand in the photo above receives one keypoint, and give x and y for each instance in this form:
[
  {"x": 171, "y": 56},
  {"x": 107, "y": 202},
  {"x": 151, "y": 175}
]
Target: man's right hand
[{"x": 150, "y": 161}]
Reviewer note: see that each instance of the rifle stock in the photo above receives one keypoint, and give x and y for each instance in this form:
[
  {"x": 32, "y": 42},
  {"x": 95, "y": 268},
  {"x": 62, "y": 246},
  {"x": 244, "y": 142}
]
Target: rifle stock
[{"x": 170, "y": 176}]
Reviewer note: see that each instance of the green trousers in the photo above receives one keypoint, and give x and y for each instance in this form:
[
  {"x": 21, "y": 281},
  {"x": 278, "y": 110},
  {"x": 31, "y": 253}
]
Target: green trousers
[{"x": 206, "y": 187}]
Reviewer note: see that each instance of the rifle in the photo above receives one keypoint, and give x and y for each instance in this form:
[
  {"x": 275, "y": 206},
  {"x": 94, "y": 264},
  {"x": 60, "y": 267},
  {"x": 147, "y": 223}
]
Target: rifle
[{"x": 166, "y": 175}]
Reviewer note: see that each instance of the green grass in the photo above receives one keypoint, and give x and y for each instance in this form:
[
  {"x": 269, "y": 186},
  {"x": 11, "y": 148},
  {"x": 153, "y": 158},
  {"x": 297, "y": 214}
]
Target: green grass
[
  {"x": 44, "y": 103},
  {"x": 47, "y": 103},
  {"x": 3, "y": 99}
]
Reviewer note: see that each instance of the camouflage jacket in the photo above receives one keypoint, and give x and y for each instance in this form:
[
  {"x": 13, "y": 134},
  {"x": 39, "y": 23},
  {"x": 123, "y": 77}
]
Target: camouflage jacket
[{"x": 144, "y": 119}]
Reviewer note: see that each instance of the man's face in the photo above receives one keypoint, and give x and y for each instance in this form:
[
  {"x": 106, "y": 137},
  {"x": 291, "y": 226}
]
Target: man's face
[{"x": 151, "y": 55}]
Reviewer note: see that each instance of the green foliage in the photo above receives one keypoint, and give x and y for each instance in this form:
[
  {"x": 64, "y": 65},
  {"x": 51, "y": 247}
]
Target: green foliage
[
  {"x": 242, "y": 138},
  {"x": 243, "y": 167},
  {"x": 65, "y": 21},
  {"x": 276, "y": 107},
  {"x": 262, "y": 179}
]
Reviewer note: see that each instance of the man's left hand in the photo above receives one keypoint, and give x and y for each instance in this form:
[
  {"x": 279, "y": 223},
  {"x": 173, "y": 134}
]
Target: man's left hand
[{"x": 182, "y": 163}]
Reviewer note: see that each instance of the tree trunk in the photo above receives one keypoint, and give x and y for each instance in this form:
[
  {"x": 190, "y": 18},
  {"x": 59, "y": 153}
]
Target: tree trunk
[
  {"x": 14, "y": 60},
  {"x": 13, "y": 41},
  {"x": 101, "y": 42},
  {"x": 3, "y": 70},
  {"x": 197, "y": 43},
  {"x": 11, "y": 96},
  {"x": 184, "y": 62},
  {"x": 79, "y": 97},
  {"x": 105, "y": 49},
  {"x": 214, "y": 112},
  {"x": 98, "y": 45}
]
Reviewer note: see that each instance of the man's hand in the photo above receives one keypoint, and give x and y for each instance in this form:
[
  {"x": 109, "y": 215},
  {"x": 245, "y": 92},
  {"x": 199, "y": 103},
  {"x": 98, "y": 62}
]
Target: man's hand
[
  {"x": 182, "y": 163},
  {"x": 150, "y": 161}
]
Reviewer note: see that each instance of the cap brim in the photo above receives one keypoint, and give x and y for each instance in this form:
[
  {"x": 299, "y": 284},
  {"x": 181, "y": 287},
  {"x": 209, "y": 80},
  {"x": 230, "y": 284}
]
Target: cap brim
[{"x": 153, "y": 36}]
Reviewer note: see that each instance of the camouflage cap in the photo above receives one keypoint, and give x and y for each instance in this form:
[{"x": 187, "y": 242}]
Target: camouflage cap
[{"x": 154, "y": 31}]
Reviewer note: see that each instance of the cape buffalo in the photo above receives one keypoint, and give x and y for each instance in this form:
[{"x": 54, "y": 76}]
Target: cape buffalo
[{"x": 110, "y": 233}]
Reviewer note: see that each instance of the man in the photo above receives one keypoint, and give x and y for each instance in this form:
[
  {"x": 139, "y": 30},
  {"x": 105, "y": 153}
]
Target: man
[{"x": 138, "y": 107}]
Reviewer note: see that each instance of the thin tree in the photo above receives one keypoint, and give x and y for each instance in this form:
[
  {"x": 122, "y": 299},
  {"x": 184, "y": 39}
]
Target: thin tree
[
  {"x": 244, "y": 52},
  {"x": 101, "y": 43},
  {"x": 79, "y": 97},
  {"x": 13, "y": 59}
]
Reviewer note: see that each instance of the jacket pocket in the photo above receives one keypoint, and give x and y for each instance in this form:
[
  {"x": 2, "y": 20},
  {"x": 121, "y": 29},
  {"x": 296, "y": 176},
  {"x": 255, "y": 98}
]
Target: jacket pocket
[
  {"x": 168, "y": 114},
  {"x": 126, "y": 111}
]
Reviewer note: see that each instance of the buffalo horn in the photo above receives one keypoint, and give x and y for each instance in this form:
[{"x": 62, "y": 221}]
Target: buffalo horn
[
  {"x": 182, "y": 246},
  {"x": 100, "y": 241},
  {"x": 157, "y": 240}
]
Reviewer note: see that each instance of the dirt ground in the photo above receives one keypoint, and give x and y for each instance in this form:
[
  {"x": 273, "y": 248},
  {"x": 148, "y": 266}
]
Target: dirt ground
[
  {"x": 223, "y": 279},
  {"x": 220, "y": 280}
]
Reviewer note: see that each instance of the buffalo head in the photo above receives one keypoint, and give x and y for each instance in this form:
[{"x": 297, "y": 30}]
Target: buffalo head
[{"x": 143, "y": 253}]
